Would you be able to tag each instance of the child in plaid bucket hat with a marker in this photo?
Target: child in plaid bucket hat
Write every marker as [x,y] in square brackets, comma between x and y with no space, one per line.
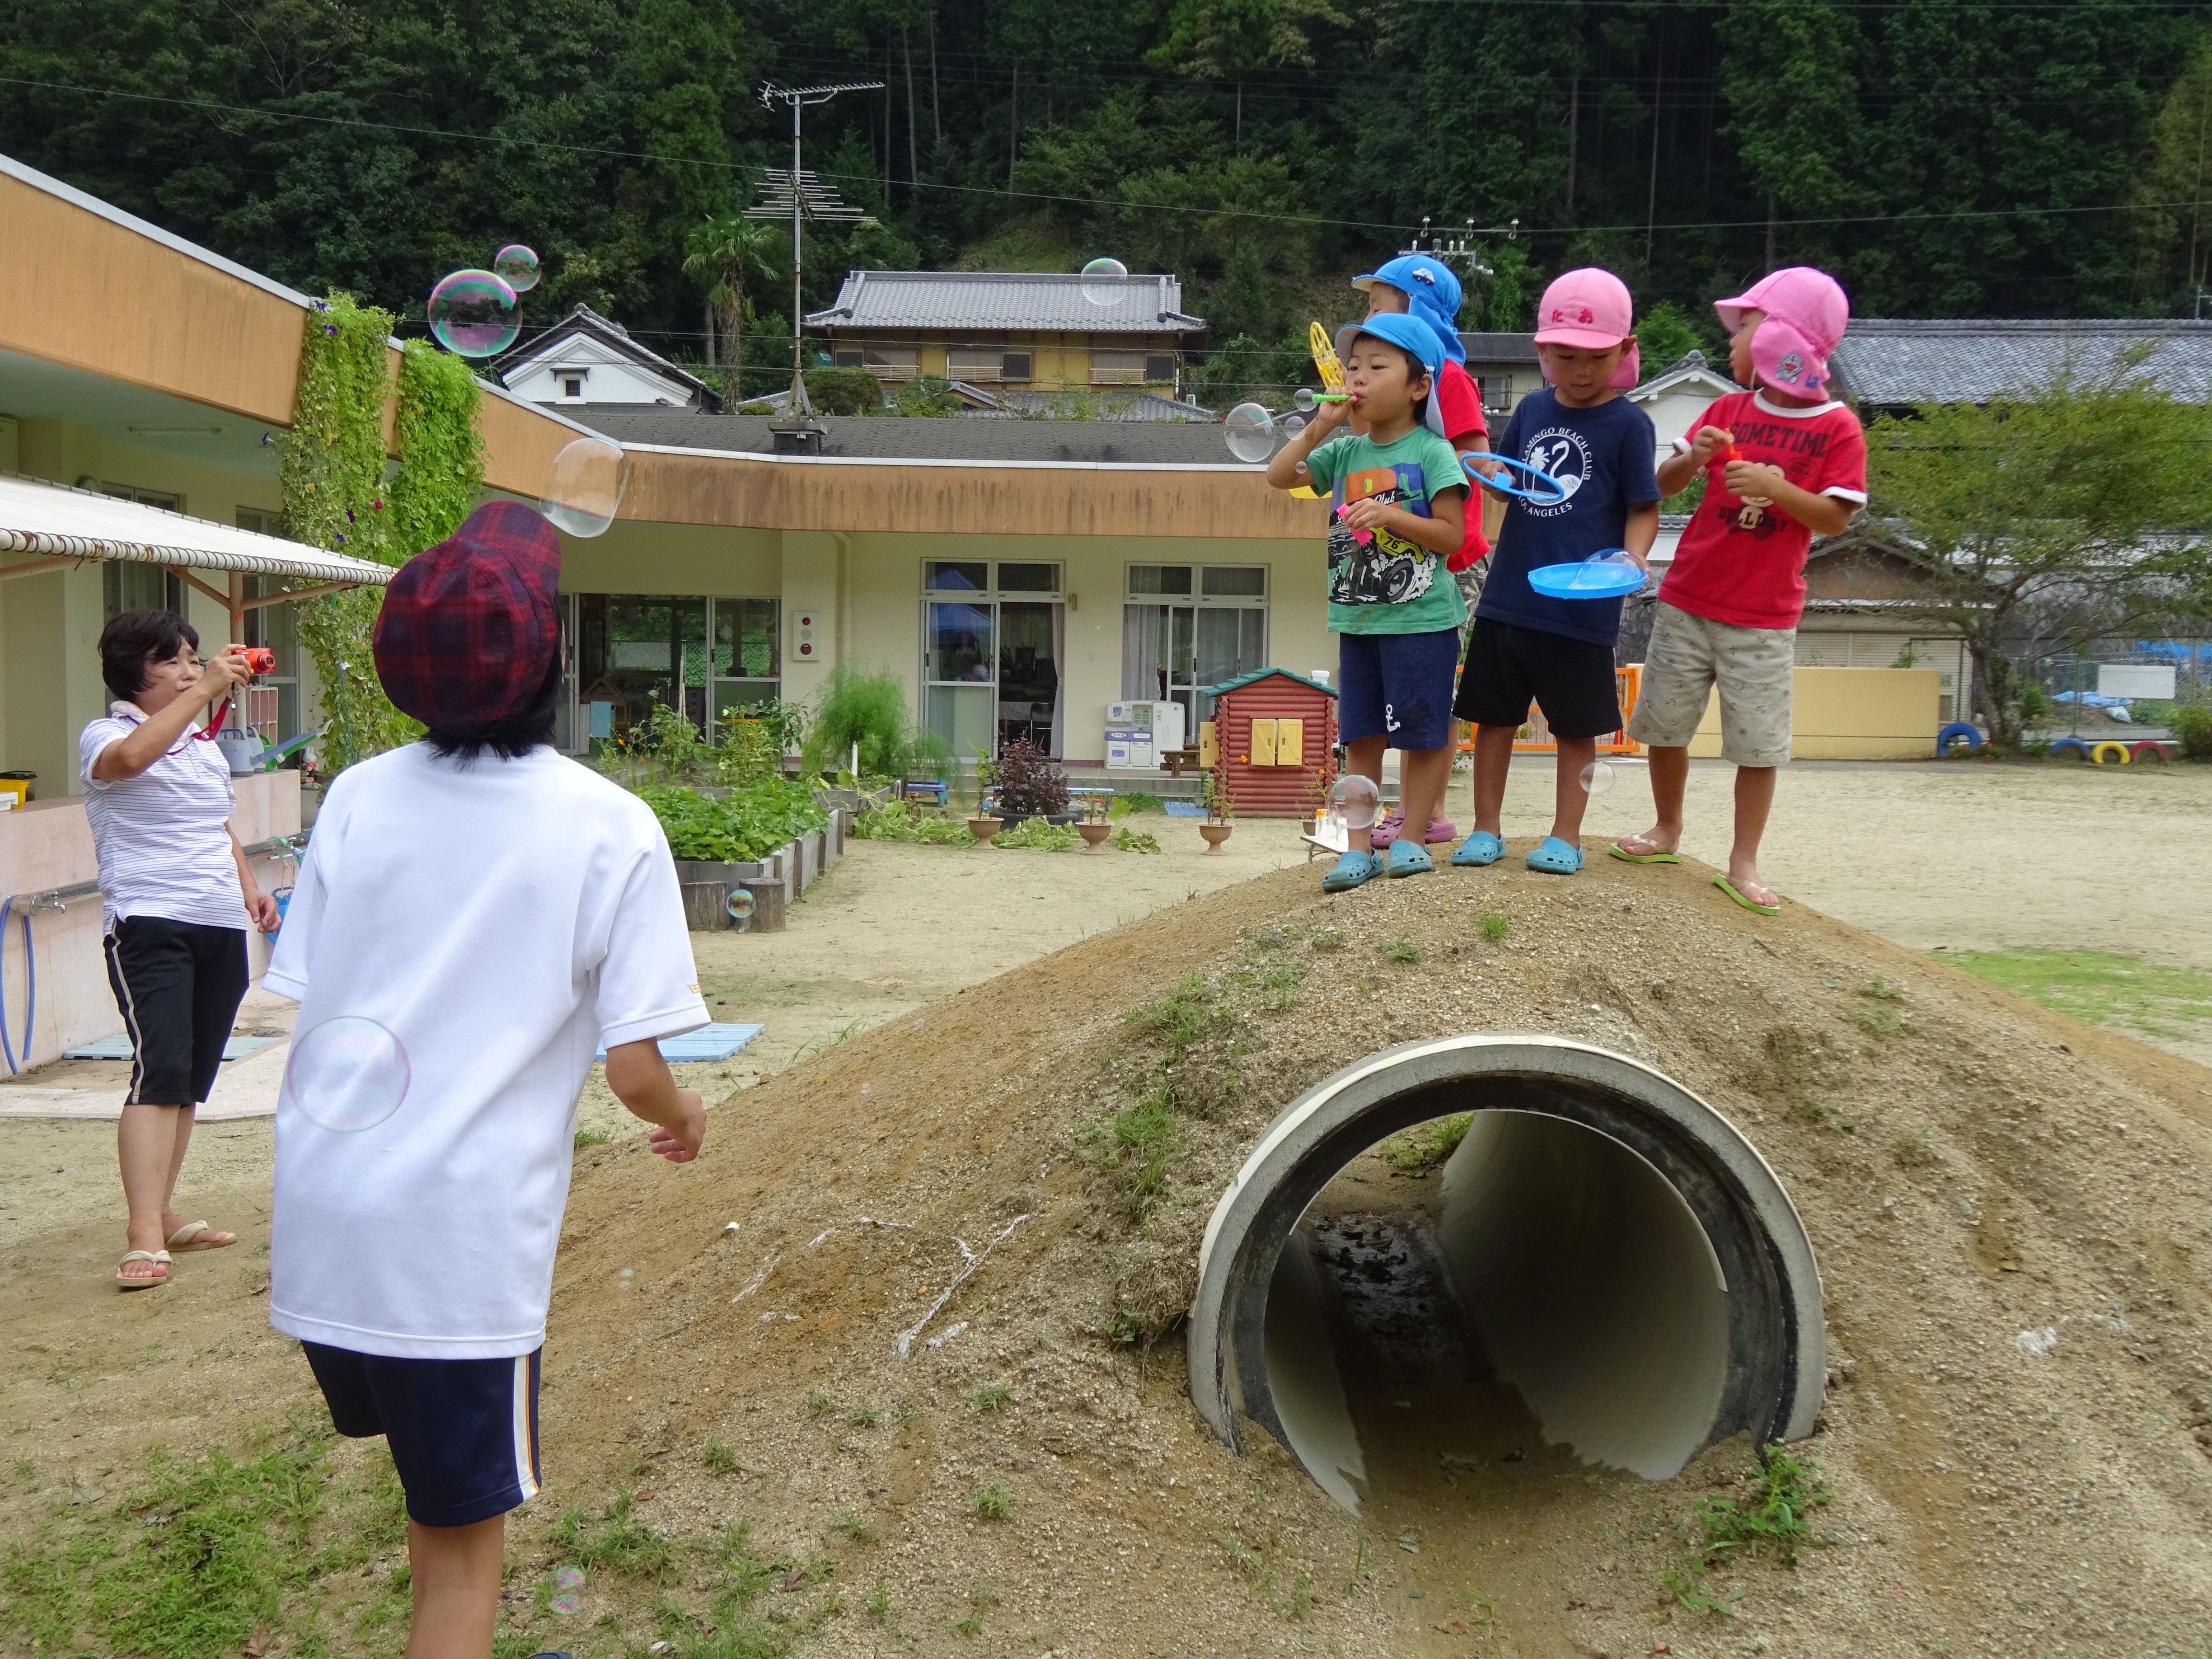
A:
[489,913]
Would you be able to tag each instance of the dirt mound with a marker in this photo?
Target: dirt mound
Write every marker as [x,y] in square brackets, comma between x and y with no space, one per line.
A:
[937,1353]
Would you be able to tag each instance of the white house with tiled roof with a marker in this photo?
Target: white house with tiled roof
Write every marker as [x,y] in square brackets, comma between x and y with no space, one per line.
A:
[1887,363]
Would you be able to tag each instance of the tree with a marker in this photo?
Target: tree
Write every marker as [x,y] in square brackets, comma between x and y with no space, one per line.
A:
[2080,509]
[2175,210]
[723,254]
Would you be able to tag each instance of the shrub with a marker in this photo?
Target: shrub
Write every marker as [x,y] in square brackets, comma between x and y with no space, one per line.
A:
[844,391]
[1031,782]
[897,821]
[870,710]
[2192,725]
[925,395]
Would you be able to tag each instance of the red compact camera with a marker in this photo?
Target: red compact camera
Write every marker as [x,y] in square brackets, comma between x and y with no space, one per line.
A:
[259,658]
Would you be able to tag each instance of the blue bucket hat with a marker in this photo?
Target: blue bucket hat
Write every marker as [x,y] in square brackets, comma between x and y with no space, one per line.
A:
[1401,329]
[1432,294]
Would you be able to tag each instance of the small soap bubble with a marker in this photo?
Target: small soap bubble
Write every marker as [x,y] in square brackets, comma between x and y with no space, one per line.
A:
[1355,798]
[1293,426]
[563,1601]
[347,1074]
[569,1579]
[1104,282]
[622,1280]
[1303,399]
[474,314]
[1251,431]
[740,904]
[585,487]
[1597,777]
[517,265]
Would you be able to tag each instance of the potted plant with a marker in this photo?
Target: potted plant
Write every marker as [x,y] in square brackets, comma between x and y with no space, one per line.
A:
[1094,828]
[1213,793]
[1028,783]
[985,822]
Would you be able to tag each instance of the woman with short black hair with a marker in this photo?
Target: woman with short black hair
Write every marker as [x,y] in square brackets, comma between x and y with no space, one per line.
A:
[178,895]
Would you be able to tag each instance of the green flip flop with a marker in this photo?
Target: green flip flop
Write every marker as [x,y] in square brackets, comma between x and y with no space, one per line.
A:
[1729,887]
[1627,857]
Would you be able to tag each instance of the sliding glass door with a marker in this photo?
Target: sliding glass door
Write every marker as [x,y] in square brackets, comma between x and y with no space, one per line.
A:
[994,640]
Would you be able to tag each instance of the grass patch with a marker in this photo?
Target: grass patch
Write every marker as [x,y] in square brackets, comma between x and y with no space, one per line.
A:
[718,1458]
[1876,1010]
[1329,938]
[878,1604]
[1784,1491]
[989,1402]
[819,1404]
[863,1417]
[615,1543]
[857,1529]
[992,1504]
[1135,800]
[844,1033]
[1178,1019]
[2104,987]
[1400,949]
[1143,1139]
[592,1138]
[1421,1148]
[1495,925]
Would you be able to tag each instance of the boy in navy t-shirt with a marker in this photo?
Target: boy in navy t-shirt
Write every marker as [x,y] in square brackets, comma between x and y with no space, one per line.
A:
[1527,646]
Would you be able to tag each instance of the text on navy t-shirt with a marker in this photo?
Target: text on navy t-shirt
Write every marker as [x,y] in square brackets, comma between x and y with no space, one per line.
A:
[1604,456]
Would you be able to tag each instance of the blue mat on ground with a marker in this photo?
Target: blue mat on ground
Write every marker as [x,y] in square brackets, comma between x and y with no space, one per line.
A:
[119,1047]
[1182,809]
[715,1042]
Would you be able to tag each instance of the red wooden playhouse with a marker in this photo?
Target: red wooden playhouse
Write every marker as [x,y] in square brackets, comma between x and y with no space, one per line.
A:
[1275,733]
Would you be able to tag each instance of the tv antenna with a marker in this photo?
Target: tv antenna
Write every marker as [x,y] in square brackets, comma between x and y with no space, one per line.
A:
[800,194]
[1464,246]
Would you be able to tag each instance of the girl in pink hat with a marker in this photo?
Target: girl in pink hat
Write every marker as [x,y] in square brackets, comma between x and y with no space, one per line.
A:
[1782,462]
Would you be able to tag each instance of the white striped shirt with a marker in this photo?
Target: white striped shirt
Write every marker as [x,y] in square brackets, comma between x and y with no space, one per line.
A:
[162,838]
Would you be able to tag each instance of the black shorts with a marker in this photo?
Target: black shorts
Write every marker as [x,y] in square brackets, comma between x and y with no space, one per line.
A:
[178,984]
[463,1432]
[1509,667]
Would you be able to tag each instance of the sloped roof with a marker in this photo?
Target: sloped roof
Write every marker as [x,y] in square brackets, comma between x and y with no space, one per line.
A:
[1499,348]
[59,523]
[1050,301]
[1112,406]
[953,438]
[1886,362]
[1261,674]
[585,321]
[1690,366]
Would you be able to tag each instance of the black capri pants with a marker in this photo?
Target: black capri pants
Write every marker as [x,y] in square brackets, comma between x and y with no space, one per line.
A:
[178,984]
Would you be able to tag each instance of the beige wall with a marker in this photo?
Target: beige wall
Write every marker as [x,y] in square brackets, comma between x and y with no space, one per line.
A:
[1849,713]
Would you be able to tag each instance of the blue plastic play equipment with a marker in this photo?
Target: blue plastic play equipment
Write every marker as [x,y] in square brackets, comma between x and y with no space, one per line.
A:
[1506,487]
[1606,575]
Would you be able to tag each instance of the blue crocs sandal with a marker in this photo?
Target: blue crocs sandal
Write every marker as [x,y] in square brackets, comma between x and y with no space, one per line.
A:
[1556,857]
[1408,860]
[1350,870]
[1478,849]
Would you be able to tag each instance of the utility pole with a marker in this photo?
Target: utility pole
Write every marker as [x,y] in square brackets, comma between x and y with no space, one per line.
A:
[805,199]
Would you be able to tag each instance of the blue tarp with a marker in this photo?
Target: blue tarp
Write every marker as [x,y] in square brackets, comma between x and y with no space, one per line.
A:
[715,1042]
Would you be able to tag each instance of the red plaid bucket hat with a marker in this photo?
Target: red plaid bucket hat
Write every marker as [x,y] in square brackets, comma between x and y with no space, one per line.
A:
[469,628]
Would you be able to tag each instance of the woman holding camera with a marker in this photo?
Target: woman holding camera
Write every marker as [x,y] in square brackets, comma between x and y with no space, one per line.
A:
[178,897]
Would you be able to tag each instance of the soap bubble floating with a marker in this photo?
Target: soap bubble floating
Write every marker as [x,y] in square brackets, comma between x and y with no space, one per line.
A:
[1293,426]
[622,1280]
[1303,398]
[1104,282]
[740,904]
[347,1074]
[1251,431]
[567,1581]
[585,486]
[517,265]
[474,314]
[1355,798]
[1598,777]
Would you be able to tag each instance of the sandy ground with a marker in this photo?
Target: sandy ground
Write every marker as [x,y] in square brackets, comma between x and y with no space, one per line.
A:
[1964,855]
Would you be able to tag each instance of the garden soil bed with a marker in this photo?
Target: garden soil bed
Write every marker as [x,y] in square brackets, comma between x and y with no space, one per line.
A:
[1969,1168]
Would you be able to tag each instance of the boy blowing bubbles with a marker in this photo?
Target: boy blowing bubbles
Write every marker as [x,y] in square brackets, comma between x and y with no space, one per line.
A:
[1782,463]
[1400,514]
[476,914]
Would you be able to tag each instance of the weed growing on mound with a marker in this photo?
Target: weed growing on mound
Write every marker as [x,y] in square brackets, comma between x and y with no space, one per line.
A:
[615,1543]
[855,1528]
[1874,1013]
[1400,949]
[989,1402]
[1178,1019]
[592,1138]
[1421,1148]
[1329,938]
[718,1458]
[1143,1139]
[1771,1521]
[1495,927]
[992,1504]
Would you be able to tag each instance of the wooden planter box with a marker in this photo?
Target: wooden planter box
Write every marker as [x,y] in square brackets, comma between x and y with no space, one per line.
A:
[775,882]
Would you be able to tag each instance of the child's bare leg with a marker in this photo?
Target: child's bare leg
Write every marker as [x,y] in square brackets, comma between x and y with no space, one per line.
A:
[1493,755]
[456,1572]
[1754,798]
[1670,777]
[1568,797]
[1363,757]
[1423,774]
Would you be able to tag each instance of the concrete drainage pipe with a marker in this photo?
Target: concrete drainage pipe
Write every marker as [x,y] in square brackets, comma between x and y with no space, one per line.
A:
[1617,1250]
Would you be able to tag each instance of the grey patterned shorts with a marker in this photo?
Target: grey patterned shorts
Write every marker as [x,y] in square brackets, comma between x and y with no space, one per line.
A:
[1688,656]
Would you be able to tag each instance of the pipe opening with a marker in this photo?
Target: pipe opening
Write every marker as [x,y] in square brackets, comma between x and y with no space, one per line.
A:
[1603,1271]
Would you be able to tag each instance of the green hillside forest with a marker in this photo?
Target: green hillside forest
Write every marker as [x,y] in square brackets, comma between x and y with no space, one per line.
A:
[1946,159]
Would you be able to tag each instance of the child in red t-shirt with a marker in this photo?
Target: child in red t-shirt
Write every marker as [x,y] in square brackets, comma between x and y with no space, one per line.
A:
[1782,462]
[1425,288]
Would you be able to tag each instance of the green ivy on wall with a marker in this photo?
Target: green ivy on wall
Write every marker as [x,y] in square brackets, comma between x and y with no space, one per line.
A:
[338,496]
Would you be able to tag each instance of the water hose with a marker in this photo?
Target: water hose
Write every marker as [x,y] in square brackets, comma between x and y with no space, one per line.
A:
[30,1003]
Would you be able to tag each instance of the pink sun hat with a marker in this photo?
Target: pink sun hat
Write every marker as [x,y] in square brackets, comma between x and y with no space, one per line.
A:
[1590,308]
[1807,314]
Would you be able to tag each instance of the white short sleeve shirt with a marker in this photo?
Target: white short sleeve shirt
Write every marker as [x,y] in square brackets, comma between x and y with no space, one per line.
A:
[501,920]
[163,837]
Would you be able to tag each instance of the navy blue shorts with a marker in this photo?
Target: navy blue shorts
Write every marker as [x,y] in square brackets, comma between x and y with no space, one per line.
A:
[463,1432]
[1397,686]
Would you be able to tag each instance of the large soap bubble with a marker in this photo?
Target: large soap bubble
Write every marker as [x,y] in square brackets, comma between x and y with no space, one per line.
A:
[474,314]
[1104,282]
[347,1074]
[1598,777]
[517,266]
[585,486]
[1251,431]
[1355,798]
